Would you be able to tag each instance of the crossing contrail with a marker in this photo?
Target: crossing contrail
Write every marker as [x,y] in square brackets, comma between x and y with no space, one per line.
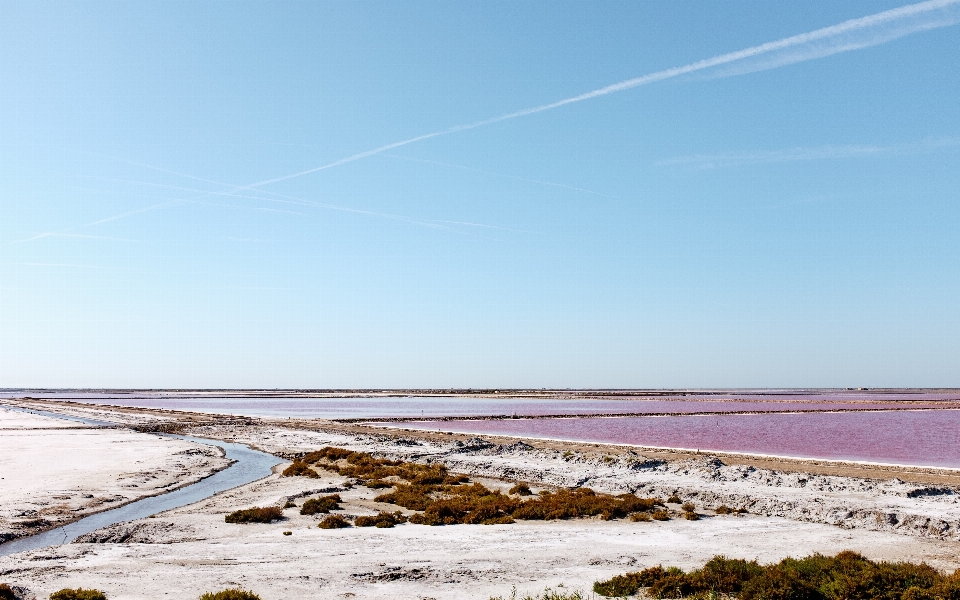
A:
[854,34]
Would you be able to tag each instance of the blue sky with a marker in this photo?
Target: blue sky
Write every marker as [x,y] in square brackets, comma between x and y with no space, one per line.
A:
[785,216]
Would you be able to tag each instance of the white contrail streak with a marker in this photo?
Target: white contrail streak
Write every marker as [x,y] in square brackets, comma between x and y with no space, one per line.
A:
[711,161]
[541,182]
[854,34]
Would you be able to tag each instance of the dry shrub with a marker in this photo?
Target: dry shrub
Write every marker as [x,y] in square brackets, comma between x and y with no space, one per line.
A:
[688,507]
[256,514]
[323,504]
[300,469]
[381,519]
[521,489]
[6,593]
[723,509]
[691,516]
[230,594]
[333,522]
[640,517]
[660,515]
[77,594]
[846,576]
[446,499]
[674,499]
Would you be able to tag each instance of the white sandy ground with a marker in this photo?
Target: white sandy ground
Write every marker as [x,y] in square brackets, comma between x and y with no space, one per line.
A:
[52,470]
[892,505]
[185,552]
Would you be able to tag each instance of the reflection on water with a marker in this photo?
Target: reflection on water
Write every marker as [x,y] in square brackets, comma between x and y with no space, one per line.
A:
[904,437]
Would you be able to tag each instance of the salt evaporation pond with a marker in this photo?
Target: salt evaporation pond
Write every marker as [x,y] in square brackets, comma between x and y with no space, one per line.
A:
[380,407]
[926,438]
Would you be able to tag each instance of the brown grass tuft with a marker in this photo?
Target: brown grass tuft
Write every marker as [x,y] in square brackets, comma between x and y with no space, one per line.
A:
[77,594]
[323,504]
[333,522]
[6,593]
[381,519]
[255,515]
[300,469]
[521,489]
[230,594]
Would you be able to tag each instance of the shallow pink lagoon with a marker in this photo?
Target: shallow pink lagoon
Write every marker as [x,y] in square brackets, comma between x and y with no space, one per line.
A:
[904,437]
[276,405]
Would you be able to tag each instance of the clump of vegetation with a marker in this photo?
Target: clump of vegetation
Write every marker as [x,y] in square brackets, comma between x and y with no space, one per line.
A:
[77,594]
[6,593]
[688,507]
[660,515]
[641,517]
[334,522]
[521,489]
[847,575]
[547,594]
[300,469]
[230,594]
[674,499]
[381,519]
[723,509]
[290,504]
[447,499]
[256,514]
[287,533]
[323,504]
[691,516]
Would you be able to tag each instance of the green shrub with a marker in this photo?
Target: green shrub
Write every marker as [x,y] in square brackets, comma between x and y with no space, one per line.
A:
[230,594]
[255,515]
[846,576]
[333,522]
[323,504]
[6,593]
[77,594]
[381,519]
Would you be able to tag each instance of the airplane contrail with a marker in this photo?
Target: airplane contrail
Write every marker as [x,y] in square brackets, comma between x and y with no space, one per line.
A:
[854,34]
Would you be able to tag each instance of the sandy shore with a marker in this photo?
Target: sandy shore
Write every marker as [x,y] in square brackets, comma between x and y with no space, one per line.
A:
[53,471]
[191,550]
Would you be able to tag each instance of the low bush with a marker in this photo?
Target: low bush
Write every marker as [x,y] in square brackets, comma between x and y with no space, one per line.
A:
[446,499]
[640,517]
[323,504]
[674,499]
[723,509]
[6,593]
[660,515]
[846,576]
[77,594]
[290,504]
[521,489]
[381,519]
[688,507]
[230,594]
[333,522]
[300,469]
[256,514]
[547,594]
[691,516]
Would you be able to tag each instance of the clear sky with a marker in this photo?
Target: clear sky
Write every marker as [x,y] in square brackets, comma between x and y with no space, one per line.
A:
[754,207]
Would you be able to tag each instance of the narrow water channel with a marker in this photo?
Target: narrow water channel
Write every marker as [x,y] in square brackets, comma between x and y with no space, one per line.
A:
[249,465]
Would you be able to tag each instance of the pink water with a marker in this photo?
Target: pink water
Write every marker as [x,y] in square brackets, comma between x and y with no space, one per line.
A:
[904,437]
[267,404]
